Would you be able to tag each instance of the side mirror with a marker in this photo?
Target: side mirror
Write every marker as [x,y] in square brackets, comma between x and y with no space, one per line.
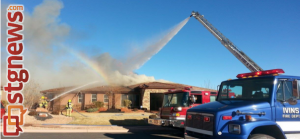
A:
[193,99]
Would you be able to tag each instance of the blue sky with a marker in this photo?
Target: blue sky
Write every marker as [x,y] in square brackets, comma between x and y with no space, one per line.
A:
[267,31]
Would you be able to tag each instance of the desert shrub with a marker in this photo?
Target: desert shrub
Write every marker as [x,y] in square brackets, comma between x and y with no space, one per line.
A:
[126,103]
[98,104]
[92,109]
[90,106]
[4,102]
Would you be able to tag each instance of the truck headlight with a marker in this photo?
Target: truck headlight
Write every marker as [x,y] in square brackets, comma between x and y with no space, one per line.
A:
[178,109]
[234,128]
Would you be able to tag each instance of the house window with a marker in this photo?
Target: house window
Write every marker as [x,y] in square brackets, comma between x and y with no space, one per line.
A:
[105,98]
[94,97]
[79,98]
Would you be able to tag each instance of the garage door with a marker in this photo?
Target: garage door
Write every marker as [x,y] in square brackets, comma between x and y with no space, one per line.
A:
[156,100]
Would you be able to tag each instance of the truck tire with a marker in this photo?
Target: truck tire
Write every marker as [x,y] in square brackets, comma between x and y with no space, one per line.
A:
[260,136]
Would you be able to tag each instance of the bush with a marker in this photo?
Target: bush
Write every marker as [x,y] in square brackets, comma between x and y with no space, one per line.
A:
[4,102]
[126,103]
[98,104]
[92,109]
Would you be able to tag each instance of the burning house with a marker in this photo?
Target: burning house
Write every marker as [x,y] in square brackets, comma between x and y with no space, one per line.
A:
[148,95]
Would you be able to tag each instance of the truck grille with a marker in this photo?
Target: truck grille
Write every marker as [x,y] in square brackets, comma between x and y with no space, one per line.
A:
[166,113]
[197,121]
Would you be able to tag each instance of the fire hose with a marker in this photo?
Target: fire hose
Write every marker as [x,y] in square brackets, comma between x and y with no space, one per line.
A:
[74,110]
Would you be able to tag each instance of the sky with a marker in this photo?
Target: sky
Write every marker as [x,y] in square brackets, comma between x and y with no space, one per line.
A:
[267,31]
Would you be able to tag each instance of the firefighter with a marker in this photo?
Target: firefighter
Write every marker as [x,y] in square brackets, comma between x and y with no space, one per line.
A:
[69,108]
[43,102]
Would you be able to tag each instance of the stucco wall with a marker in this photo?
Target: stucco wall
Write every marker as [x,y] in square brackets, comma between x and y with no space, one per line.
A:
[146,96]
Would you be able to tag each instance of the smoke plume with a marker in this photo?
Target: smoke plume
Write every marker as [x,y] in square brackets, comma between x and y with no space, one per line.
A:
[52,63]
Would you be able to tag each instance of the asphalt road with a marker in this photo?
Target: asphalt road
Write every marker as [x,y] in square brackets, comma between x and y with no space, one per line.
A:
[135,135]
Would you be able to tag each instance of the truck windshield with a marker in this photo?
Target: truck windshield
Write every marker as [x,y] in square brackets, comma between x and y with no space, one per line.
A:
[176,100]
[246,89]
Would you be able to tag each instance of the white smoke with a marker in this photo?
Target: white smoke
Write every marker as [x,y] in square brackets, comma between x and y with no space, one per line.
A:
[50,64]
[139,58]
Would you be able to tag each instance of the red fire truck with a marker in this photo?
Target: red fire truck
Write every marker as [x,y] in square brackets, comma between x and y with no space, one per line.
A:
[177,102]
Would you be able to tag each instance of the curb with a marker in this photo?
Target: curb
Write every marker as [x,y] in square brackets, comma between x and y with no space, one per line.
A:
[74,131]
[57,128]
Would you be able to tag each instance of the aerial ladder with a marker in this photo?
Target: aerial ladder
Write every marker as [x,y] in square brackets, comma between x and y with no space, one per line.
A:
[240,55]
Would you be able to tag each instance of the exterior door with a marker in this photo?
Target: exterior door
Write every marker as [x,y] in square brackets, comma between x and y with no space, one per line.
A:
[287,112]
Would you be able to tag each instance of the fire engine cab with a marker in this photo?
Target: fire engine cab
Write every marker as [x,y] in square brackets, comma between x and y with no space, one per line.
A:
[177,102]
[265,105]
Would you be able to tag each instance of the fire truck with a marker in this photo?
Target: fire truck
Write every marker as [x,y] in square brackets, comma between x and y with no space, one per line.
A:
[265,105]
[177,102]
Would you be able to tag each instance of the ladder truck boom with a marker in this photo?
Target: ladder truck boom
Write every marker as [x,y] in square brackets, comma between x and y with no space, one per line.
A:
[240,55]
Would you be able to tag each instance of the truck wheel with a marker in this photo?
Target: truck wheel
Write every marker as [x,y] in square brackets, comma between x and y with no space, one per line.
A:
[260,136]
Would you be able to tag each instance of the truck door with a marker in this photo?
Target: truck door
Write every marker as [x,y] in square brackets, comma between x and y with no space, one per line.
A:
[287,105]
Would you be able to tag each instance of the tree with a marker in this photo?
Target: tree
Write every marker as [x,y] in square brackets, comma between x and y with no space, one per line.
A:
[31,93]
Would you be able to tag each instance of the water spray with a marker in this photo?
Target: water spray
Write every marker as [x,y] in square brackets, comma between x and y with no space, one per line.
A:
[73,90]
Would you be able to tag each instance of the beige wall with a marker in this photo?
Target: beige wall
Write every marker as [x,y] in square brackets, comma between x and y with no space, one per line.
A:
[146,96]
[100,97]
[88,100]
[118,101]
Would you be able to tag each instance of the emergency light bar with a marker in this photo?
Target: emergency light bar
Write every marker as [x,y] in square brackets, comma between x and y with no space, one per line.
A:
[260,73]
[188,88]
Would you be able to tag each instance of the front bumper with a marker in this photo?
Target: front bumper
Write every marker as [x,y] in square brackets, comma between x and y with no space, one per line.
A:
[166,122]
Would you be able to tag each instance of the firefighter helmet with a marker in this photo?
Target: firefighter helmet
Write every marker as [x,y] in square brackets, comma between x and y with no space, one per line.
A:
[43,97]
[69,100]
